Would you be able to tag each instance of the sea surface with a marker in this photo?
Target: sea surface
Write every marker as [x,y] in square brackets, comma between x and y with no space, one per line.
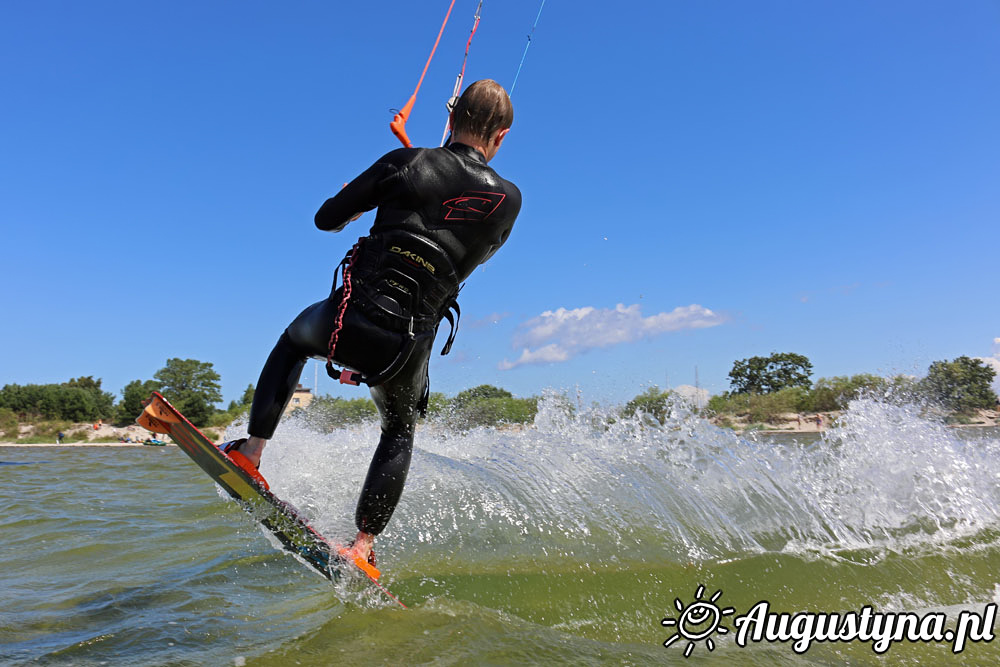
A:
[569,542]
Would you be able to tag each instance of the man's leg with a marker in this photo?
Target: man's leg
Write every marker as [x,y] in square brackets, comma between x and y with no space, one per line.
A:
[397,401]
[307,335]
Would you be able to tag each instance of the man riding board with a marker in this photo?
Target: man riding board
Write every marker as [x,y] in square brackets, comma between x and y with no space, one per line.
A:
[441,213]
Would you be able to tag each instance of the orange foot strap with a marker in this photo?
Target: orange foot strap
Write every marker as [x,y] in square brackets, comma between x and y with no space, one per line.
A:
[366,567]
[248,467]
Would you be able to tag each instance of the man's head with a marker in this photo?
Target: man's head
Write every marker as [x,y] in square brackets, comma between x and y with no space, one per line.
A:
[482,116]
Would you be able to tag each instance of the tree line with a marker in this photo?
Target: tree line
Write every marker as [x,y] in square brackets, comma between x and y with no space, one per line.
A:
[191,386]
[194,388]
[761,389]
[484,405]
[764,388]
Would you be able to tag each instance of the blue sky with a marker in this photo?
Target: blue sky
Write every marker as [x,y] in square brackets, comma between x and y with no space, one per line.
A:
[702,182]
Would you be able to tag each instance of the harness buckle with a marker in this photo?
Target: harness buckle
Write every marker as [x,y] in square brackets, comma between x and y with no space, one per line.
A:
[350,377]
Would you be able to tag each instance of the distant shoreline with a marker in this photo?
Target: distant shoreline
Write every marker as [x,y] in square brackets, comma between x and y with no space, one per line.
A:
[789,423]
[83,444]
[105,434]
[792,422]
[738,428]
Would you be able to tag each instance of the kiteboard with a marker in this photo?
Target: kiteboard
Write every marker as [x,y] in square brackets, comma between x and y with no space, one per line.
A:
[250,489]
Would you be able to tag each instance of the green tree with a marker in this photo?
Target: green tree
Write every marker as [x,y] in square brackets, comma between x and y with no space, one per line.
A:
[247,398]
[327,413]
[103,401]
[192,387]
[76,400]
[134,393]
[903,385]
[242,405]
[763,375]
[15,398]
[73,403]
[724,403]
[493,411]
[652,402]
[9,426]
[25,400]
[961,385]
[484,405]
[467,396]
[772,407]
[437,403]
[836,392]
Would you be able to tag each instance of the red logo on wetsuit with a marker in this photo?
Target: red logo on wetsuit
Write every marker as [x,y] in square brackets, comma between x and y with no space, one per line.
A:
[473,205]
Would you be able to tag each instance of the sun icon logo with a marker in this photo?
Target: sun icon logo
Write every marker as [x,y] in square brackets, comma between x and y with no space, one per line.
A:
[698,620]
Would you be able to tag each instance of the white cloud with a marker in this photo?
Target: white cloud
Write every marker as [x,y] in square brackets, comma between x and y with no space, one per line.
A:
[559,335]
[994,363]
[991,361]
[693,395]
[542,355]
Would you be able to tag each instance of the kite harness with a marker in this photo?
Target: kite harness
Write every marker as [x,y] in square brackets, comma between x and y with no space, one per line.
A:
[406,284]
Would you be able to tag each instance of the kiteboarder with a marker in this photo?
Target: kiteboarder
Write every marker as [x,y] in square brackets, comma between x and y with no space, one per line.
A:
[441,213]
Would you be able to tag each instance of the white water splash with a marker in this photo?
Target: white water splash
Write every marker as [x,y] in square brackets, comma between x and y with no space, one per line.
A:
[887,476]
[589,484]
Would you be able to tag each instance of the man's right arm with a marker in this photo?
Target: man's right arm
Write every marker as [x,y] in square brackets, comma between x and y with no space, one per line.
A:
[513,203]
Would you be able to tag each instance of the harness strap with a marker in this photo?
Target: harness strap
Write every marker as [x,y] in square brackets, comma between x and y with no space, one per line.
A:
[453,321]
[347,264]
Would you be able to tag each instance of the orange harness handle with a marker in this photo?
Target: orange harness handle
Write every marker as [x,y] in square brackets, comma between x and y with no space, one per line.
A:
[398,124]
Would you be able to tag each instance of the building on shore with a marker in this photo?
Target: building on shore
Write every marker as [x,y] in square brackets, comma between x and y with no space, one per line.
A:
[301,398]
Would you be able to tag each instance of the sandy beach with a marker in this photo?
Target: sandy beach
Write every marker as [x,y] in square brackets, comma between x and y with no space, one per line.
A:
[819,422]
[84,434]
[82,444]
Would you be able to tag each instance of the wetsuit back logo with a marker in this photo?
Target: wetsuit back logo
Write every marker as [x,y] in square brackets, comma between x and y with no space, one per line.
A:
[473,205]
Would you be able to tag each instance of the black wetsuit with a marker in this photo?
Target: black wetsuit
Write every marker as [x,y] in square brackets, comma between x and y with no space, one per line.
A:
[441,213]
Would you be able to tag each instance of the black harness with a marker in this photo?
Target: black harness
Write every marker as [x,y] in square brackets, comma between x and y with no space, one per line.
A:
[404,283]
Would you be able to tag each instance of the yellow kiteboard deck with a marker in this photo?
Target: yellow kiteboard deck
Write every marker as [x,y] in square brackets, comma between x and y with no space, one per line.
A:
[244,484]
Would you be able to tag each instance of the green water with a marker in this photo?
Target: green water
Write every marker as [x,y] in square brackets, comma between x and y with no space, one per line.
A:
[565,544]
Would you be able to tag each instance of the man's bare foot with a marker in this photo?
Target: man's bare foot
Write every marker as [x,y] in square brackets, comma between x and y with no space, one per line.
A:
[362,547]
[253,449]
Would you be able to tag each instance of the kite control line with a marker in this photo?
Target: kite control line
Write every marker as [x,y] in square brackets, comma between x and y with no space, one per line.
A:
[525,54]
[461,75]
[398,124]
